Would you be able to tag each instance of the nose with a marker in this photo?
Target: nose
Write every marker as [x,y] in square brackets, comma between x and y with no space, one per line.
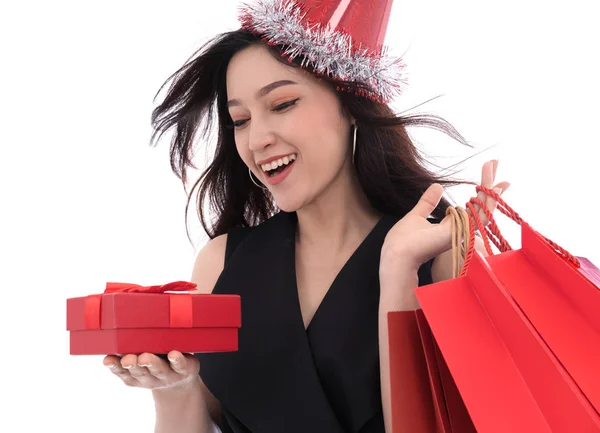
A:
[260,136]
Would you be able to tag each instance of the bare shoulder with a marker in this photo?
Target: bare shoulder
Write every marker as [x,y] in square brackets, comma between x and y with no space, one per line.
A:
[209,264]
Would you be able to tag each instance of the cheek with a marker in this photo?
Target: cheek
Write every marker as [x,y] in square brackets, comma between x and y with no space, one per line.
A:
[244,152]
[324,155]
[328,145]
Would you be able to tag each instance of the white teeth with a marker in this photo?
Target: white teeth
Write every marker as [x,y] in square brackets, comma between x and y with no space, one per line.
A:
[279,162]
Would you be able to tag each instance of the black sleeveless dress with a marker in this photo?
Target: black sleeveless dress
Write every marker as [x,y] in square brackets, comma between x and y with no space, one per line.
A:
[283,378]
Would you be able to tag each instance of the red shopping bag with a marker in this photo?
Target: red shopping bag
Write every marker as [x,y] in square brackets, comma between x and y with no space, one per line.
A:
[424,397]
[561,303]
[508,375]
[559,294]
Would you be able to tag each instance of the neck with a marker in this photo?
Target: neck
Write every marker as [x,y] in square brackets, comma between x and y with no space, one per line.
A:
[339,217]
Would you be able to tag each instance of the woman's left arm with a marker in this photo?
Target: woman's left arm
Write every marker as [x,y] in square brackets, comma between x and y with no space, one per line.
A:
[397,296]
[416,414]
[411,242]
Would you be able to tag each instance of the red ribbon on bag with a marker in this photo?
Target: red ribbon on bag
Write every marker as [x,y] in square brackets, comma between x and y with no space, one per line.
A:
[180,306]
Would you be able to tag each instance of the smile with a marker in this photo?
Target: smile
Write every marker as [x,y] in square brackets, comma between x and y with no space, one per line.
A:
[277,170]
[273,168]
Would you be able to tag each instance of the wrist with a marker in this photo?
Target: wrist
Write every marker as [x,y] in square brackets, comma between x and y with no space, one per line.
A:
[397,290]
[396,262]
[183,390]
[398,268]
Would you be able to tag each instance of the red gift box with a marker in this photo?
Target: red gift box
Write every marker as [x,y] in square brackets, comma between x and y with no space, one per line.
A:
[128,318]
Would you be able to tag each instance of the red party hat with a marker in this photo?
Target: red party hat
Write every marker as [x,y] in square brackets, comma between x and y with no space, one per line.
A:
[342,39]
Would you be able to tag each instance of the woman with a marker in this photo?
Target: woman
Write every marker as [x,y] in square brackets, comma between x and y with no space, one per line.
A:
[321,207]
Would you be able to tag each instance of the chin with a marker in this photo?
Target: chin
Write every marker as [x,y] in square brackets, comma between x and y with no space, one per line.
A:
[289,204]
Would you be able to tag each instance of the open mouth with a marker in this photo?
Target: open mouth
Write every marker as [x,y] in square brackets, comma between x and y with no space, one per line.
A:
[275,167]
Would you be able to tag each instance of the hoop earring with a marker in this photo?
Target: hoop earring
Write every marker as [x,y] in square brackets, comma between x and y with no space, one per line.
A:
[253,181]
[354,142]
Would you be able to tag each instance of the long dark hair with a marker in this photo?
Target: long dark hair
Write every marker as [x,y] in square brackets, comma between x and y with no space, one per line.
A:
[390,168]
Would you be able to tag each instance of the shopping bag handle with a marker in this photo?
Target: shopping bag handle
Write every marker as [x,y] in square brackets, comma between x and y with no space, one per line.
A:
[492,231]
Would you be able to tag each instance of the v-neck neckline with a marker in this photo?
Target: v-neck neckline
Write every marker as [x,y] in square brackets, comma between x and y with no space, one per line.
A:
[292,372]
[344,269]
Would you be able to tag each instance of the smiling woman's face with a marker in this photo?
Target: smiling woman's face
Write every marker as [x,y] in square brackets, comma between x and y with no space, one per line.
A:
[289,127]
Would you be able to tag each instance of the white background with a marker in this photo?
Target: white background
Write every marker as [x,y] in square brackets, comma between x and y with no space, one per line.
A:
[85,200]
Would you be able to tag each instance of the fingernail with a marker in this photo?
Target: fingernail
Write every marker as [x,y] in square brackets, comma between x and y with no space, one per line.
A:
[173,361]
[111,366]
[144,365]
[128,367]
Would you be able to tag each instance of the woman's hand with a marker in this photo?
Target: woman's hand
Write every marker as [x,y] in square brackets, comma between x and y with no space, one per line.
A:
[488,176]
[413,240]
[151,372]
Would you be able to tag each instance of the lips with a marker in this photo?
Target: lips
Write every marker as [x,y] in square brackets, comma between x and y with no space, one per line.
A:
[278,175]
[277,162]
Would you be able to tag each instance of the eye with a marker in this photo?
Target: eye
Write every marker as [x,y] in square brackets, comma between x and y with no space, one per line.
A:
[285,105]
[235,125]
[239,123]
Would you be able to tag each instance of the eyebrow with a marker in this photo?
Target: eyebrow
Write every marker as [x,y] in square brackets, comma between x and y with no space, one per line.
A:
[264,91]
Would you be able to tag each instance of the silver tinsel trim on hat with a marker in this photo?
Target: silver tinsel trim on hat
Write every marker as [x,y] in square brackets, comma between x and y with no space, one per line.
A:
[327,52]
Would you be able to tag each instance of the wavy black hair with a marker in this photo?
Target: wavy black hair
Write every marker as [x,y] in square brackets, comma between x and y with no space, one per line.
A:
[391,170]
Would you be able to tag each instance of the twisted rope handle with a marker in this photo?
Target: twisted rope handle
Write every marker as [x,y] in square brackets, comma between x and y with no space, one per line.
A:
[509,212]
[463,240]
[463,224]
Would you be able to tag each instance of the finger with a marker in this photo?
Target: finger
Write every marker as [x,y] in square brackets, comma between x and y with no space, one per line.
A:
[128,361]
[491,204]
[499,189]
[179,363]
[111,360]
[113,363]
[481,195]
[156,365]
[142,374]
[504,185]
[487,180]
[138,372]
[122,373]
[438,240]
[428,201]
[489,201]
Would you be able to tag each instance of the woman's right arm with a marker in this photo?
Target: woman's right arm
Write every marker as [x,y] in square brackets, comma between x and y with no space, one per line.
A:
[182,401]
[194,407]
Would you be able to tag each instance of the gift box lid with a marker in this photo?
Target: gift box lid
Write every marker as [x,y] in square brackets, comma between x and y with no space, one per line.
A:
[115,309]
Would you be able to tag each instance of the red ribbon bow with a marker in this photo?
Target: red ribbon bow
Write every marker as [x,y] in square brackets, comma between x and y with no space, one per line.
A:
[180,306]
[176,286]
